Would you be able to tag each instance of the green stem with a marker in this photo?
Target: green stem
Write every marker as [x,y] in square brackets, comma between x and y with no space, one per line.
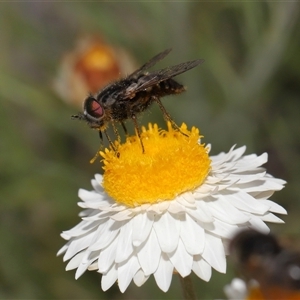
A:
[187,288]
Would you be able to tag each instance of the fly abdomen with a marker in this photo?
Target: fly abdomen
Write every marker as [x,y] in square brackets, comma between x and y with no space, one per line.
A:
[167,87]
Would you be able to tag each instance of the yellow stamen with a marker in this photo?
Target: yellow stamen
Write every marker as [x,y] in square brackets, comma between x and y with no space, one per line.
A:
[173,163]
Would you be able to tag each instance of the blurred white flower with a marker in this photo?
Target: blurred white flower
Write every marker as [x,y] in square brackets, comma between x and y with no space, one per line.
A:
[238,290]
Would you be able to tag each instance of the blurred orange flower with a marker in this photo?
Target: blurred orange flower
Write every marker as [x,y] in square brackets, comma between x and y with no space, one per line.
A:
[89,67]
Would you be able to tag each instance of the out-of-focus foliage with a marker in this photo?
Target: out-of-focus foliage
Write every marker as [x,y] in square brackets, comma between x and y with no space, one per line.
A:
[246,93]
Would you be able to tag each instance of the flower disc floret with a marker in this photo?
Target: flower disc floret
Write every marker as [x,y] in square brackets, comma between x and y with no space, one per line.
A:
[173,162]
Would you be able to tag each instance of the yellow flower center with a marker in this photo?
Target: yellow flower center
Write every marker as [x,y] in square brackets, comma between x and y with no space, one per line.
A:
[173,163]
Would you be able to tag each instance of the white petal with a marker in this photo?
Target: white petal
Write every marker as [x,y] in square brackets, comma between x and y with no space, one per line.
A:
[188,196]
[93,266]
[99,178]
[126,272]
[89,195]
[251,162]
[82,228]
[96,216]
[163,206]
[103,229]
[238,152]
[88,259]
[220,228]
[224,211]
[122,215]
[201,268]
[258,224]
[269,217]
[245,202]
[185,200]
[93,200]
[274,207]
[142,225]
[77,245]
[164,272]
[109,278]
[214,253]
[192,235]
[212,180]
[160,207]
[114,207]
[63,249]
[224,157]
[249,177]
[258,186]
[75,261]
[149,254]
[167,232]
[176,208]
[108,233]
[97,187]
[125,247]
[202,213]
[107,257]
[262,195]
[140,278]
[181,260]
[206,189]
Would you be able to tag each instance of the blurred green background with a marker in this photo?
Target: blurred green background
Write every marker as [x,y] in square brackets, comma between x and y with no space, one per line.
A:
[246,93]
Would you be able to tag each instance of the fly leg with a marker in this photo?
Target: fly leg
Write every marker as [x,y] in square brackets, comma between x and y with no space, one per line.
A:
[167,116]
[110,141]
[97,153]
[116,132]
[138,131]
[124,128]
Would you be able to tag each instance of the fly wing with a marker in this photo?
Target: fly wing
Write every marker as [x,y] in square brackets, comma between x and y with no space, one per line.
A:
[150,63]
[156,77]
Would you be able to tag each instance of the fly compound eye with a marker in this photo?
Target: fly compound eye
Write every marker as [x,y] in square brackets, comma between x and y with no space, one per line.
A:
[93,109]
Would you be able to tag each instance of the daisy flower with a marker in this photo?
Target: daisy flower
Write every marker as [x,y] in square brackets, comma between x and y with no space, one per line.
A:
[172,208]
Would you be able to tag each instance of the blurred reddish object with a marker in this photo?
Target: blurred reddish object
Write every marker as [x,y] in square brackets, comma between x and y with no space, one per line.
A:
[89,67]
